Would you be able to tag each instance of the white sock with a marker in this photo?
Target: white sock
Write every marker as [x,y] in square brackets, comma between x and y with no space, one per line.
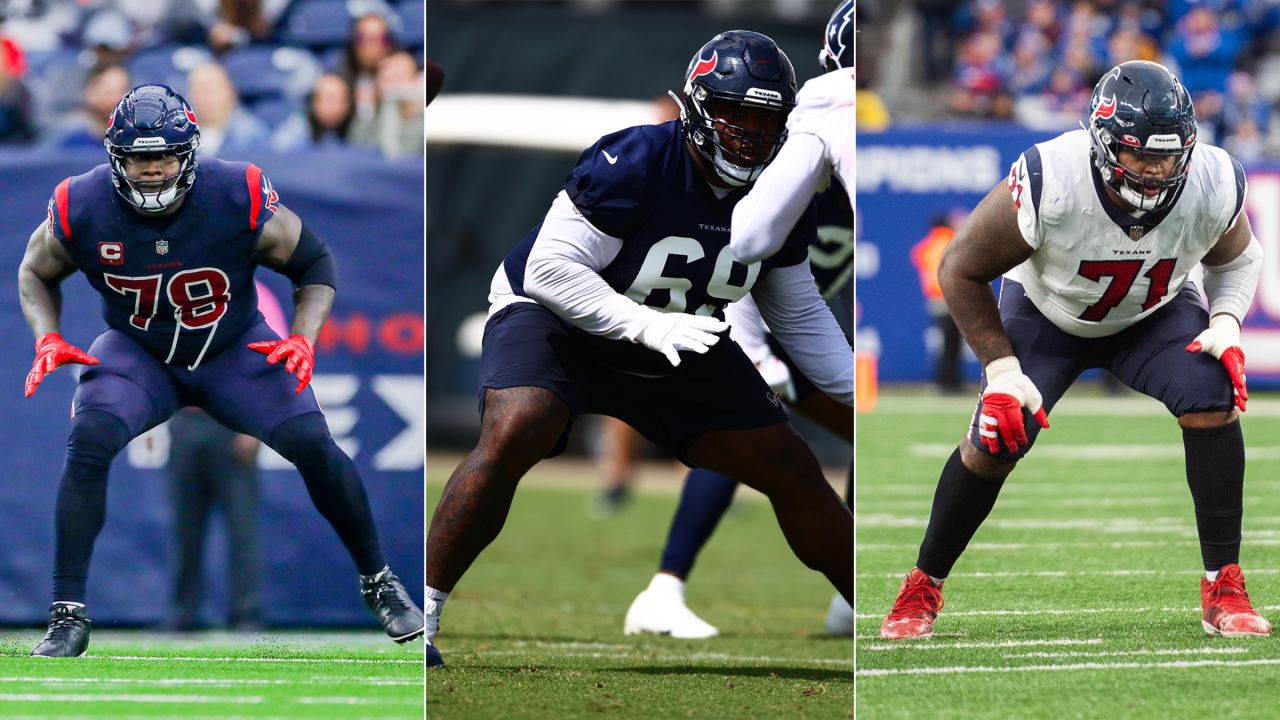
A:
[937,581]
[431,607]
[68,602]
[667,584]
[1211,575]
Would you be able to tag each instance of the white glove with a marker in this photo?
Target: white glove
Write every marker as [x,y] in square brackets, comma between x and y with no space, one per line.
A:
[669,333]
[1223,332]
[776,373]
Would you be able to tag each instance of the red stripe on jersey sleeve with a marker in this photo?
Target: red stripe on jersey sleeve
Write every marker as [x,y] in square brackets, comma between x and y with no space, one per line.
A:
[60,199]
[253,175]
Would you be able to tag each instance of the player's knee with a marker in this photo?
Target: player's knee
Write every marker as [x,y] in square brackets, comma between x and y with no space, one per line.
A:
[983,464]
[303,439]
[520,423]
[96,438]
[1208,419]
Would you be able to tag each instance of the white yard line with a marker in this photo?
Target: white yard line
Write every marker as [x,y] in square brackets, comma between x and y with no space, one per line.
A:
[133,698]
[1061,611]
[357,661]
[363,680]
[964,669]
[963,644]
[1249,539]
[1068,573]
[1232,650]
[1072,404]
[1163,451]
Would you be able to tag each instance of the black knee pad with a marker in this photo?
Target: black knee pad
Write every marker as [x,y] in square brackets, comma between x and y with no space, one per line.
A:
[304,439]
[96,438]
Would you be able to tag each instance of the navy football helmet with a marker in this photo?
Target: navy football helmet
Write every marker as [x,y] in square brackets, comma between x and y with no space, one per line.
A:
[153,119]
[1141,107]
[837,43]
[738,91]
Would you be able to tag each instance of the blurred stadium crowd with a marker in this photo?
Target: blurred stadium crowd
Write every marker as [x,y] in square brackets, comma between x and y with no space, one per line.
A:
[1036,61]
[262,75]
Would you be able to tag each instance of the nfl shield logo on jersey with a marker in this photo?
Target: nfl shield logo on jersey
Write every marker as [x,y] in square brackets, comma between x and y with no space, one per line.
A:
[1136,232]
[162,247]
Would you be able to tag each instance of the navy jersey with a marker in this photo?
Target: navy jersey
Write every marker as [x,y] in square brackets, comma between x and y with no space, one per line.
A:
[641,186]
[181,285]
[831,255]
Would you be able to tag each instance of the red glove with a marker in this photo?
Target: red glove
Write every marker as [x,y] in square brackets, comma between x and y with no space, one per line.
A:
[1222,340]
[300,354]
[52,352]
[1000,417]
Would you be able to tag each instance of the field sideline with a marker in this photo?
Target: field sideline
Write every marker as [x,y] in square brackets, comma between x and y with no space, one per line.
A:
[130,674]
[1079,597]
[535,628]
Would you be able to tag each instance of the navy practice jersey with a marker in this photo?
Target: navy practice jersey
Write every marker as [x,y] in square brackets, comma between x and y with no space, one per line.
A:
[831,255]
[181,285]
[641,186]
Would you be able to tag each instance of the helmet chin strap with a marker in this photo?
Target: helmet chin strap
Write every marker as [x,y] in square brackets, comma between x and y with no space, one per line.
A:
[156,202]
[1140,200]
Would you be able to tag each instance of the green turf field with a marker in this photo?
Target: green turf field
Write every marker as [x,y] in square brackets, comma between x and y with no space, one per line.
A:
[1079,596]
[535,629]
[214,675]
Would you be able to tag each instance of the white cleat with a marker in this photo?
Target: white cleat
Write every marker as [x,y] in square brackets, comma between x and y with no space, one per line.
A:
[840,616]
[660,609]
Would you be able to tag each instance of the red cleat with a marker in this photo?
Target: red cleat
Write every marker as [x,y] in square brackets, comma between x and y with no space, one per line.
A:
[1226,606]
[916,606]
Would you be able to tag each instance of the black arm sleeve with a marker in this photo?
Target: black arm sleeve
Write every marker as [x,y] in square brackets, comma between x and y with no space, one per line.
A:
[311,263]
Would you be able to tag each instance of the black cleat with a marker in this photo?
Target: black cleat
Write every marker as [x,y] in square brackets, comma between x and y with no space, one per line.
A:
[434,658]
[390,603]
[68,634]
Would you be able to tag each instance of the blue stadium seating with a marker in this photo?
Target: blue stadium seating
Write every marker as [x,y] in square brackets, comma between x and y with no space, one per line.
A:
[274,111]
[261,71]
[168,64]
[317,24]
[412,23]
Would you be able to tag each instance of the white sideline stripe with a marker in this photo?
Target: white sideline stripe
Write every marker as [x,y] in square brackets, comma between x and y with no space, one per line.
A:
[208,681]
[1165,451]
[898,547]
[1057,611]
[1233,650]
[880,647]
[105,698]
[837,662]
[1135,406]
[1172,664]
[1066,573]
[357,661]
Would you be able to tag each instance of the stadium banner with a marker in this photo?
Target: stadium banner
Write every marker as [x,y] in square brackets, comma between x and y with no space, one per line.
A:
[369,380]
[911,175]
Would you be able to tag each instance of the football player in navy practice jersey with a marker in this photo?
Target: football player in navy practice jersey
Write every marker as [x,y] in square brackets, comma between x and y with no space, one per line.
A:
[613,304]
[820,131]
[171,245]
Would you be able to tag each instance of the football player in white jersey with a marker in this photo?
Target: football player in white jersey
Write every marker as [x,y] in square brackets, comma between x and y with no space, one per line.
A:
[820,141]
[1095,257]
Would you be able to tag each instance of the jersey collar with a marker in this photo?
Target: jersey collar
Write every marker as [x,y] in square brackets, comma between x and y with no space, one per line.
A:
[1124,220]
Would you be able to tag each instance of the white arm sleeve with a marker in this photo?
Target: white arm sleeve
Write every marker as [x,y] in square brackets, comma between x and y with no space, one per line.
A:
[748,329]
[764,218]
[1230,287]
[563,274]
[789,302]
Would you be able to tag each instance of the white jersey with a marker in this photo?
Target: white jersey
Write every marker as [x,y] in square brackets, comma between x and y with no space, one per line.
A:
[1097,269]
[825,108]
[820,141]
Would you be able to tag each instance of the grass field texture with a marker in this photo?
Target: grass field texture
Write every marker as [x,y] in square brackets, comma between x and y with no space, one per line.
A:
[535,628]
[214,675]
[1079,596]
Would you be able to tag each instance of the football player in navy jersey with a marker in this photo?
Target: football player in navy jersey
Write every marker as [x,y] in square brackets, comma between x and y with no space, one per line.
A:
[171,245]
[613,305]
[819,144]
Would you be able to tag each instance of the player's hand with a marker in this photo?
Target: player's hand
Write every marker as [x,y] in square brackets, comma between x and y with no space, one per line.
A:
[52,352]
[1007,392]
[778,375]
[669,333]
[1222,340]
[297,352]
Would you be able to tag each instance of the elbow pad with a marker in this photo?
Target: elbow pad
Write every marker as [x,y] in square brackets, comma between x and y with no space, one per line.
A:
[311,263]
[1230,287]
